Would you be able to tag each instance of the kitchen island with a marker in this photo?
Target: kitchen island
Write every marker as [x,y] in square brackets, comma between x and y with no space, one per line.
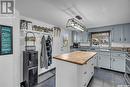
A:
[74,69]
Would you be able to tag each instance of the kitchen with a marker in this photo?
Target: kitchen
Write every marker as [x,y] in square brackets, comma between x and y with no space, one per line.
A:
[64,43]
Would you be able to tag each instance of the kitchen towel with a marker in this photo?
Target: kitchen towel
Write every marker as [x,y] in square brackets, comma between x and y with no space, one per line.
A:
[43,55]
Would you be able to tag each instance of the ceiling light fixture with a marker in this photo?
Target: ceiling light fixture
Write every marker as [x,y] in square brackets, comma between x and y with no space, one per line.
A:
[73,23]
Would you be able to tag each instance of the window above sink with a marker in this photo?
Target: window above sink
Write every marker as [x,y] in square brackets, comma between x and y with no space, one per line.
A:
[100,39]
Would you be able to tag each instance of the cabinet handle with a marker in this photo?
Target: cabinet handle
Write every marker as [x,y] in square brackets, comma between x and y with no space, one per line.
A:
[119,54]
[113,59]
[85,84]
[125,39]
[120,39]
[85,72]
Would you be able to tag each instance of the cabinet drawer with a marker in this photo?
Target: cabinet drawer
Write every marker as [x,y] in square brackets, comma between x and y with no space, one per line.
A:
[104,53]
[118,55]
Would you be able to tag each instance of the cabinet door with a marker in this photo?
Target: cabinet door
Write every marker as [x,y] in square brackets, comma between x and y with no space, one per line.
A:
[95,61]
[84,37]
[126,33]
[117,35]
[104,61]
[78,36]
[118,64]
[75,36]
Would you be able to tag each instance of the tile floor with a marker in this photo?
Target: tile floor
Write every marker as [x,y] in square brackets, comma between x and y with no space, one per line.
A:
[107,78]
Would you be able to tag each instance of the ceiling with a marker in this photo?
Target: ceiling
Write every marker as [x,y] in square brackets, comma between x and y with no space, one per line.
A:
[95,13]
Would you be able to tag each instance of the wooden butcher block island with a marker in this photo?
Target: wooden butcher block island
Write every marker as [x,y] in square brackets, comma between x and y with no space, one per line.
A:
[77,57]
[74,69]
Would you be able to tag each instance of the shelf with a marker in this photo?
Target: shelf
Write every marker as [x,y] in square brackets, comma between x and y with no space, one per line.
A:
[30,68]
[38,32]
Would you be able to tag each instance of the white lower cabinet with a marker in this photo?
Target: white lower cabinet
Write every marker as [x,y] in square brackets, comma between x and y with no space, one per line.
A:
[104,60]
[118,62]
[114,61]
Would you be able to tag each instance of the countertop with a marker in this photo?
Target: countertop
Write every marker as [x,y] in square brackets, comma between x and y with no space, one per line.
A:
[77,57]
[112,49]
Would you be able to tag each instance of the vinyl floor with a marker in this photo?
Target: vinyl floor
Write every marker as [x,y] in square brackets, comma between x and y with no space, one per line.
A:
[107,78]
[101,78]
[48,83]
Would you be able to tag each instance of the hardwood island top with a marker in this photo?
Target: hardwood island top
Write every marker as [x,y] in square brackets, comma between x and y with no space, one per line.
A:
[77,57]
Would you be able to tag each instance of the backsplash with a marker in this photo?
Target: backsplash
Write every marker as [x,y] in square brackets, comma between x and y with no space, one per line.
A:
[120,45]
[84,44]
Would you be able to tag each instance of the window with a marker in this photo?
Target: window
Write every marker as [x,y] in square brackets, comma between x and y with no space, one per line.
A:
[101,39]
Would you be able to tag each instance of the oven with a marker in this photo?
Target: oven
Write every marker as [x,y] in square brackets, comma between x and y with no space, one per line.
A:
[127,70]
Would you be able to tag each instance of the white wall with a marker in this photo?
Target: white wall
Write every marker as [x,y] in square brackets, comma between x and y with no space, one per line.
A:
[9,64]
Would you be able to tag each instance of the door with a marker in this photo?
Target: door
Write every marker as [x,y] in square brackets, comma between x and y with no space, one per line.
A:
[118,64]
[104,61]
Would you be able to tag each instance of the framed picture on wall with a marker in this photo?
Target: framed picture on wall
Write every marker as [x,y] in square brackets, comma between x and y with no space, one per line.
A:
[6,40]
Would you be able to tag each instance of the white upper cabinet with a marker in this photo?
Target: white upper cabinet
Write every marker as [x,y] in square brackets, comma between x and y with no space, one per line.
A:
[84,37]
[126,32]
[78,36]
[117,34]
[121,33]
